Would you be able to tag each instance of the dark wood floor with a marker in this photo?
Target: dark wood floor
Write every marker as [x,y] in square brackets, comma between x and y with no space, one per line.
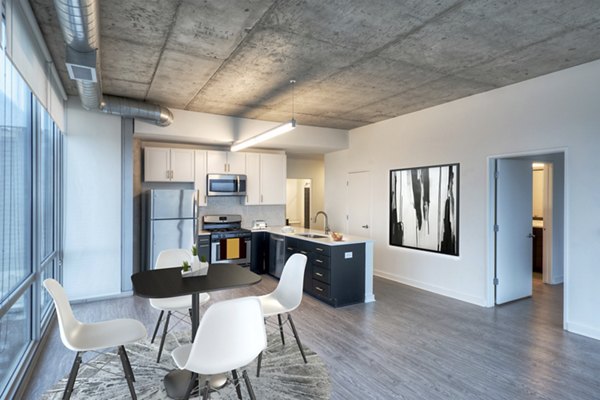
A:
[411,344]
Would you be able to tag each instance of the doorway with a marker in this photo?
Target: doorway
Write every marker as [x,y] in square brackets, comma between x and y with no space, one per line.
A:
[298,202]
[517,212]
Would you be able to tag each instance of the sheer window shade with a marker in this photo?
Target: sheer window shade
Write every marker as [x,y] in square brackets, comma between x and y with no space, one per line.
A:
[31,58]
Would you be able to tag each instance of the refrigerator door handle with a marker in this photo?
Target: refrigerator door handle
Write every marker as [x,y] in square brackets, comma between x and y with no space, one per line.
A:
[195,214]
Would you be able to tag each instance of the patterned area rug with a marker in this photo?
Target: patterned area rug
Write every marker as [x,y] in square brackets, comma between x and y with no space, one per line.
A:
[283,374]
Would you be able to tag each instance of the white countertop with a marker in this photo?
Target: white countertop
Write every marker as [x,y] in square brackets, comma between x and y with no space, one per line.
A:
[348,239]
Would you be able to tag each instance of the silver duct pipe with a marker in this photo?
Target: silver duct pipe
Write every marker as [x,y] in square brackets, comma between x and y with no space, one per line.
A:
[160,115]
[80,25]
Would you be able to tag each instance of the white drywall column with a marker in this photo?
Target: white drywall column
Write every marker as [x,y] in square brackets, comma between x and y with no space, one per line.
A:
[92,226]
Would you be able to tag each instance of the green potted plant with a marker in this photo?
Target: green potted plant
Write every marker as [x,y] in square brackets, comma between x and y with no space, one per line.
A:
[185,266]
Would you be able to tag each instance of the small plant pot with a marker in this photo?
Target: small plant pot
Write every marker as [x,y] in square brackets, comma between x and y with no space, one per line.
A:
[189,273]
[203,270]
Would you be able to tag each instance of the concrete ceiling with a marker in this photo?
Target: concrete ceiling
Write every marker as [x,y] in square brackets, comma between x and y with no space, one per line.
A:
[356,62]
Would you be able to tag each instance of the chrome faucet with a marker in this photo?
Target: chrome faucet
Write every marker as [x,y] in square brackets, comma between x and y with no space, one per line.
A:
[327,230]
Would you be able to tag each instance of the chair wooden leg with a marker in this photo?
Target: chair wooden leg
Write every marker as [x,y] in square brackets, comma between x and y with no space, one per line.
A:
[258,365]
[191,385]
[206,390]
[128,372]
[72,376]
[297,338]
[236,382]
[280,328]
[164,336]
[248,385]
[157,325]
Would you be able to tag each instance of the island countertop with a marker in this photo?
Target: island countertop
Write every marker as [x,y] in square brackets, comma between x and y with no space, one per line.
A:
[298,231]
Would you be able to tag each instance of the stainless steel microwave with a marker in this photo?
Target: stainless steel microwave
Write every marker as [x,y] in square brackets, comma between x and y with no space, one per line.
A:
[226,185]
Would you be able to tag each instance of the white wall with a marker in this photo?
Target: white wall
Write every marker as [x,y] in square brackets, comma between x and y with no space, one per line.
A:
[538,193]
[92,230]
[553,112]
[220,130]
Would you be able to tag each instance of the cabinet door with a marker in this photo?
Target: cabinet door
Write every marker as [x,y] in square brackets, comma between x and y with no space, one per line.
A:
[182,165]
[200,176]
[216,162]
[236,163]
[157,164]
[273,172]
[252,178]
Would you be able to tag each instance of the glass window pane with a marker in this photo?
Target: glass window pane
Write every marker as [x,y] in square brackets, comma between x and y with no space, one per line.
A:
[46,300]
[15,334]
[15,178]
[46,176]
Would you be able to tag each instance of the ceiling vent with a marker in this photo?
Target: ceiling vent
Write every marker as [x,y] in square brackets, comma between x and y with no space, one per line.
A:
[81,66]
[81,73]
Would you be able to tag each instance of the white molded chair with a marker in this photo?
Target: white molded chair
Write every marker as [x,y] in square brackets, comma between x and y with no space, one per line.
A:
[231,334]
[81,337]
[286,298]
[181,304]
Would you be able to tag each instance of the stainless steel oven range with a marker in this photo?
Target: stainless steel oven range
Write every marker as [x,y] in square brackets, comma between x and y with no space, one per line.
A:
[229,242]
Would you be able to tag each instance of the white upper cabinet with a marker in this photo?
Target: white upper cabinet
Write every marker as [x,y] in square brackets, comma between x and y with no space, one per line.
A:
[157,164]
[237,162]
[273,174]
[252,178]
[266,178]
[168,165]
[182,165]
[266,172]
[225,162]
[200,176]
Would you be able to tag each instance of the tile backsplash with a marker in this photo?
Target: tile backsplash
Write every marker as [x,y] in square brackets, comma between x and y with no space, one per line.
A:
[273,214]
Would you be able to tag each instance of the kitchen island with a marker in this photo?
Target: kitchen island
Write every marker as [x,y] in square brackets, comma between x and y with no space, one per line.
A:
[338,272]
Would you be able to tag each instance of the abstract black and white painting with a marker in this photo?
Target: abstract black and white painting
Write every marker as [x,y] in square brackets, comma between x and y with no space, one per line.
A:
[424,208]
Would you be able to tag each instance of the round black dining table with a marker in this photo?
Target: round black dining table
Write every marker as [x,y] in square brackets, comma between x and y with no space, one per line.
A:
[168,282]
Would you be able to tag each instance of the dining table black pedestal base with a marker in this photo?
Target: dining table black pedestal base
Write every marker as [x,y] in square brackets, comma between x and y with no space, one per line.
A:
[177,381]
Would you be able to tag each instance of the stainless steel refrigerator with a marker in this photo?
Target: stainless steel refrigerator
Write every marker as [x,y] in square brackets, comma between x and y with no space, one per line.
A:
[171,221]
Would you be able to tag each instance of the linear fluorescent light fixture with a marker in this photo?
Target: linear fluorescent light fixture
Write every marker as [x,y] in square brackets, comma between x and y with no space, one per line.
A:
[270,134]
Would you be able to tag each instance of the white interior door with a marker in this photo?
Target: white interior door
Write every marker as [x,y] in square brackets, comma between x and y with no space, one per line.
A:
[359,204]
[514,230]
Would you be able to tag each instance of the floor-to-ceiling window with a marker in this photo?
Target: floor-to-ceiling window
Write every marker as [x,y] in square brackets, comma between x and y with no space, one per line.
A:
[29,218]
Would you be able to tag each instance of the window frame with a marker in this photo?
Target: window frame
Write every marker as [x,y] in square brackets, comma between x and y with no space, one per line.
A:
[30,288]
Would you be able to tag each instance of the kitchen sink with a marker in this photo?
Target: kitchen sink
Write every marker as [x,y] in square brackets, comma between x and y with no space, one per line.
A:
[312,235]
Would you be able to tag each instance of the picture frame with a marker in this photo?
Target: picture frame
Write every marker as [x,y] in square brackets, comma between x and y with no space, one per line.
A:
[424,208]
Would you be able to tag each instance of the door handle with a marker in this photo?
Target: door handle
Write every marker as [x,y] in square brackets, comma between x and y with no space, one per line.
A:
[365,226]
[531,236]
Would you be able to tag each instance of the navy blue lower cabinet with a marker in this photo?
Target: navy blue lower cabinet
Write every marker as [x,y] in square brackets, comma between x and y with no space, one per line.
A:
[259,255]
[334,274]
[203,246]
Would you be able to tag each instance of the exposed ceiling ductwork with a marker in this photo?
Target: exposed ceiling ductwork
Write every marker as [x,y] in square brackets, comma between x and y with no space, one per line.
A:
[80,25]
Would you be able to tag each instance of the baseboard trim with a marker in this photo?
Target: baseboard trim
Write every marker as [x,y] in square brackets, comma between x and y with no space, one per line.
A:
[583,330]
[432,288]
[103,297]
